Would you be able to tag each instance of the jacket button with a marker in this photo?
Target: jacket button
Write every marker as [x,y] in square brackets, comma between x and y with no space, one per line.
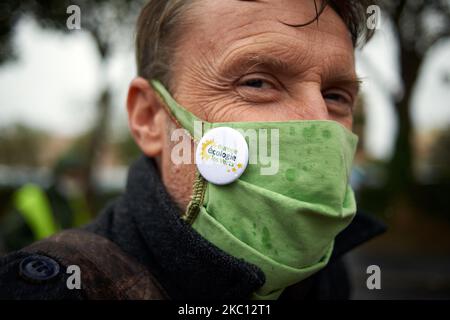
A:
[37,268]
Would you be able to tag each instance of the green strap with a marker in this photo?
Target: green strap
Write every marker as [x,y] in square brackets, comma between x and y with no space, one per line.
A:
[32,203]
[180,115]
[196,202]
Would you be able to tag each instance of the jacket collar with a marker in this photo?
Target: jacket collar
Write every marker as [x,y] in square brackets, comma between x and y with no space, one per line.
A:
[363,228]
[146,223]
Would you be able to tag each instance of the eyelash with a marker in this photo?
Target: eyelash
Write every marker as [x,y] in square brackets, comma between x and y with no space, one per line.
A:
[256,78]
[336,97]
[339,96]
[248,81]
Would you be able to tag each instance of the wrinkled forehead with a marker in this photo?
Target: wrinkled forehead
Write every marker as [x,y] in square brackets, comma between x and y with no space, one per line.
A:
[235,32]
[220,23]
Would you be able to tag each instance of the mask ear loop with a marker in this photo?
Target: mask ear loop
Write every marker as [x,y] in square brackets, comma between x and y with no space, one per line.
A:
[199,187]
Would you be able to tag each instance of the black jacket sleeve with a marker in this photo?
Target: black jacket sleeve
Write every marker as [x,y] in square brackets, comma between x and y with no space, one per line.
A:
[31,276]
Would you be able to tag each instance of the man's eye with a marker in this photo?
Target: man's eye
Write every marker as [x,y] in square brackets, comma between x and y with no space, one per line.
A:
[256,83]
[258,88]
[339,103]
[336,97]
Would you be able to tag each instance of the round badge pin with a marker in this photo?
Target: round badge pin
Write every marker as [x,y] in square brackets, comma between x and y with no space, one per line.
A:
[222,155]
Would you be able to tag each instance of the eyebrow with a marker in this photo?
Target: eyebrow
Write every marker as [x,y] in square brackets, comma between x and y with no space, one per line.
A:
[245,63]
[352,82]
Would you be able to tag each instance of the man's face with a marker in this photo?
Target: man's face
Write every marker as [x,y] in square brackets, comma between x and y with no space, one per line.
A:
[237,61]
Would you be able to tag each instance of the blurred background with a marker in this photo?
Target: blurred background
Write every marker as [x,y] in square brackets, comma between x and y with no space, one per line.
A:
[65,145]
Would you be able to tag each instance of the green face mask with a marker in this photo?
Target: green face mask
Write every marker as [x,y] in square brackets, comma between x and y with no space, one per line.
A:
[284,223]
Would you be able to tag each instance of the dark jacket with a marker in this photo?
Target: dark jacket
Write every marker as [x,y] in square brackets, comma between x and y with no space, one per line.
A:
[140,248]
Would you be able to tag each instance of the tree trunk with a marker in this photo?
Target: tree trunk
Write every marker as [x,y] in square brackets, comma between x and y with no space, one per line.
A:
[96,144]
[401,177]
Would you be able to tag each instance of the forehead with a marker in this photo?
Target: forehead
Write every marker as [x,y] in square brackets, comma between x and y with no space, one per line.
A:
[220,28]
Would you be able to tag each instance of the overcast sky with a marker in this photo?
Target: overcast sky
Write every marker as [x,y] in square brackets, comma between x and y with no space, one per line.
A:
[54,84]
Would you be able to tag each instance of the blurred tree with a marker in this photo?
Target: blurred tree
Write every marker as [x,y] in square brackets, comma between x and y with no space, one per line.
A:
[419,25]
[107,21]
[20,145]
[440,158]
[127,149]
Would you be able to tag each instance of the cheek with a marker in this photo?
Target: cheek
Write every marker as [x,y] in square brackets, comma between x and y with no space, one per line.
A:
[216,105]
[178,178]
[345,121]
[230,110]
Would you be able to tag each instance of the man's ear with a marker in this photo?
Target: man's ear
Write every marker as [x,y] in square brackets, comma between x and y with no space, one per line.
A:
[146,117]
